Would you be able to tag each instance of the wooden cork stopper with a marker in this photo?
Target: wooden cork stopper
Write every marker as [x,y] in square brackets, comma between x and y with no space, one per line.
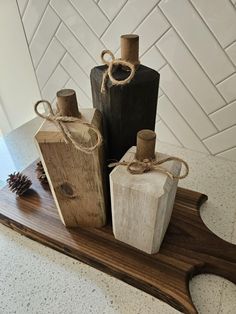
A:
[146,140]
[67,103]
[130,48]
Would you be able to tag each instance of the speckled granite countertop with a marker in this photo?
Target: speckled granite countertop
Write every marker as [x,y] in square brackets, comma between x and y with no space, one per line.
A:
[36,279]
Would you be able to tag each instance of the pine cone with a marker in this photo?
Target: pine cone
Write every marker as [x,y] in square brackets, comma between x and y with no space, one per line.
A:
[18,183]
[41,175]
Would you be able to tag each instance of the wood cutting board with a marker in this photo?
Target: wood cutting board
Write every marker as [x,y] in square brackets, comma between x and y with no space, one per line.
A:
[189,247]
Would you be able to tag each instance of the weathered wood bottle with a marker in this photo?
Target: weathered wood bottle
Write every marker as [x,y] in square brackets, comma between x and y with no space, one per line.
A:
[76,176]
[126,108]
[142,199]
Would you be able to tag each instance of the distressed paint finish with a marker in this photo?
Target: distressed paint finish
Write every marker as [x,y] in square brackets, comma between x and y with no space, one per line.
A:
[142,204]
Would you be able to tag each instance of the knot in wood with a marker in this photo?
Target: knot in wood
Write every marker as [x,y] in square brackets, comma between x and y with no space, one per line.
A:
[67,190]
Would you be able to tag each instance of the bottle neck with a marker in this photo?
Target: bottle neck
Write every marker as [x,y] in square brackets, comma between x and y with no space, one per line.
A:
[130,48]
[146,141]
[67,103]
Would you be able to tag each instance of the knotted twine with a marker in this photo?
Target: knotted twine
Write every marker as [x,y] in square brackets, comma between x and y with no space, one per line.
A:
[111,66]
[140,167]
[60,122]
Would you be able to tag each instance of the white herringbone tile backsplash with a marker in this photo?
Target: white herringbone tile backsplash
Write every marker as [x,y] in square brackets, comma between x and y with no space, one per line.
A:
[191,43]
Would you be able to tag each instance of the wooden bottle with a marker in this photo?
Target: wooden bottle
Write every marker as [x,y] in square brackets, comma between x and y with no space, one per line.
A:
[142,203]
[76,178]
[129,108]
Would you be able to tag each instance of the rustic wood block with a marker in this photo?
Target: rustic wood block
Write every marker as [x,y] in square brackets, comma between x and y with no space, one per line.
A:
[75,178]
[142,204]
[126,109]
[189,247]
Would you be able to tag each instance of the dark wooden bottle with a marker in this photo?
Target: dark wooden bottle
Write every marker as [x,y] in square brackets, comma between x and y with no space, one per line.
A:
[129,108]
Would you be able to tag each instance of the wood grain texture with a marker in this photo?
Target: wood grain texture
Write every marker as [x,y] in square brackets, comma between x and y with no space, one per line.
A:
[142,204]
[77,179]
[126,109]
[189,248]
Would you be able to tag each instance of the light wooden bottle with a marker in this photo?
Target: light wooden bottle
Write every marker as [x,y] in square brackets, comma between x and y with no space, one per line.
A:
[142,203]
[76,179]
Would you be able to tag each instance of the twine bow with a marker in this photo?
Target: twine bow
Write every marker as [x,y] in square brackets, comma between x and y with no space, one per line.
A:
[60,122]
[108,73]
[139,167]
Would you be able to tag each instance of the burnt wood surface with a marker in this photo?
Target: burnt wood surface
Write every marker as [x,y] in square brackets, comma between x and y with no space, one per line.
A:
[126,109]
[189,247]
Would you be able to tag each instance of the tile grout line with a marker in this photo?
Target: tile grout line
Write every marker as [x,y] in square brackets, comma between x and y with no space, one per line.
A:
[190,51]
[73,79]
[52,101]
[164,94]
[30,55]
[64,46]
[67,80]
[53,71]
[186,121]
[154,44]
[231,44]
[160,70]
[81,90]
[51,39]
[169,128]
[24,9]
[75,83]
[166,31]
[72,32]
[39,22]
[70,55]
[225,79]
[216,39]
[142,20]
[224,150]
[101,9]
[163,121]
[143,54]
[201,68]
[76,40]
[111,21]
[145,17]
[97,36]
[221,131]
[59,65]
[225,105]
[233,4]
[199,105]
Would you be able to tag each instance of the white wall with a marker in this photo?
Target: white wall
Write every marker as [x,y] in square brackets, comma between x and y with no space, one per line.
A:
[18,85]
[192,43]
[5,126]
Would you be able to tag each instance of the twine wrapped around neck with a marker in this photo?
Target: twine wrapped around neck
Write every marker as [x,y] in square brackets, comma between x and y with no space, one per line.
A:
[140,167]
[60,122]
[108,73]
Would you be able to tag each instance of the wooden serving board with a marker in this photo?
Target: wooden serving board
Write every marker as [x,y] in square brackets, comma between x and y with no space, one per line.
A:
[189,248]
